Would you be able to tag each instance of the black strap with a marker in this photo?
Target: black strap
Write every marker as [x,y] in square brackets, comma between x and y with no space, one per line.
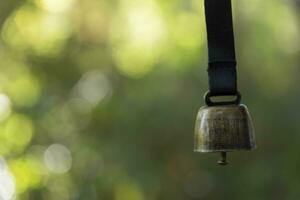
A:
[222,63]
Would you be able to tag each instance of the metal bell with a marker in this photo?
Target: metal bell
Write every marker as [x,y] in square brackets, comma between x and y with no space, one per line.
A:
[224,128]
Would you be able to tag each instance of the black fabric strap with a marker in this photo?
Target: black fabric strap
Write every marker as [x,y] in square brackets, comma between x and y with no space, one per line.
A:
[222,62]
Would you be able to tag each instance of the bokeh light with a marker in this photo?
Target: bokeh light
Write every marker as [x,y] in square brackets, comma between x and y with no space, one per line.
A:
[55,5]
[138,28]
[7,182]
[32,29]
[28,172]
[5,106]
[58,158]
[94,86]
[16,134]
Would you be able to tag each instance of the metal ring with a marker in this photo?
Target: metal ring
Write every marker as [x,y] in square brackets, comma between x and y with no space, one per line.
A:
[208,101]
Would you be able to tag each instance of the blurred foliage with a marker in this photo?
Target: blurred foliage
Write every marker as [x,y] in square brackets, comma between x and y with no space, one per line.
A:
[98,100]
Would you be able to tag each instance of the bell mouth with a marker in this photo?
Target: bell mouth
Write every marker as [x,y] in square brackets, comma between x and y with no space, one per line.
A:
[254,147]
[224,128]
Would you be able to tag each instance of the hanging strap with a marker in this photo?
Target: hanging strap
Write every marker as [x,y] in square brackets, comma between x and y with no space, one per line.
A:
[222,62]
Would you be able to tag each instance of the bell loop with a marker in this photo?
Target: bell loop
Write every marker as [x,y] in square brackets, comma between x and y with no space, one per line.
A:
[209,102]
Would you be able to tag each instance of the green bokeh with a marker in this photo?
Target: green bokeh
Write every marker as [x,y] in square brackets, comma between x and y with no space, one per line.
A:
[98,100]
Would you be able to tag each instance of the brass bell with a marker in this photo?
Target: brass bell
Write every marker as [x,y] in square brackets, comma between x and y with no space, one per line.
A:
[224,128]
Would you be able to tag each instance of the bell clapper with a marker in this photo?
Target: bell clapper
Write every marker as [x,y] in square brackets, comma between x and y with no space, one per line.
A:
[223,160]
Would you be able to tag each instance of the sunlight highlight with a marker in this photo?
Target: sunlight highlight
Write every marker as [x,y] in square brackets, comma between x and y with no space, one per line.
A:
[7,182]
[145,25]
[5,107]
[138,35]
[56,5]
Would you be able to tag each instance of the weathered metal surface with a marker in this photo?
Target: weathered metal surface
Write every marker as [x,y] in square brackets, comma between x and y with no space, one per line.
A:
[223,129]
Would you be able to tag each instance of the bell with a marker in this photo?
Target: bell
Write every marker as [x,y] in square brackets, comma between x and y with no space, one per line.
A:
[224,128]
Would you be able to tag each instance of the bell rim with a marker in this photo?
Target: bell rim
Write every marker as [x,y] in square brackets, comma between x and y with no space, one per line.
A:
[224,150]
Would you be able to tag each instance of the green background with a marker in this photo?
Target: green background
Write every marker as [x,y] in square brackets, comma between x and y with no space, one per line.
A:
[98,100]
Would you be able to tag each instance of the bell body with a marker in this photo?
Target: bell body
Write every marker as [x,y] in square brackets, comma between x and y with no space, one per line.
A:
[224,128]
